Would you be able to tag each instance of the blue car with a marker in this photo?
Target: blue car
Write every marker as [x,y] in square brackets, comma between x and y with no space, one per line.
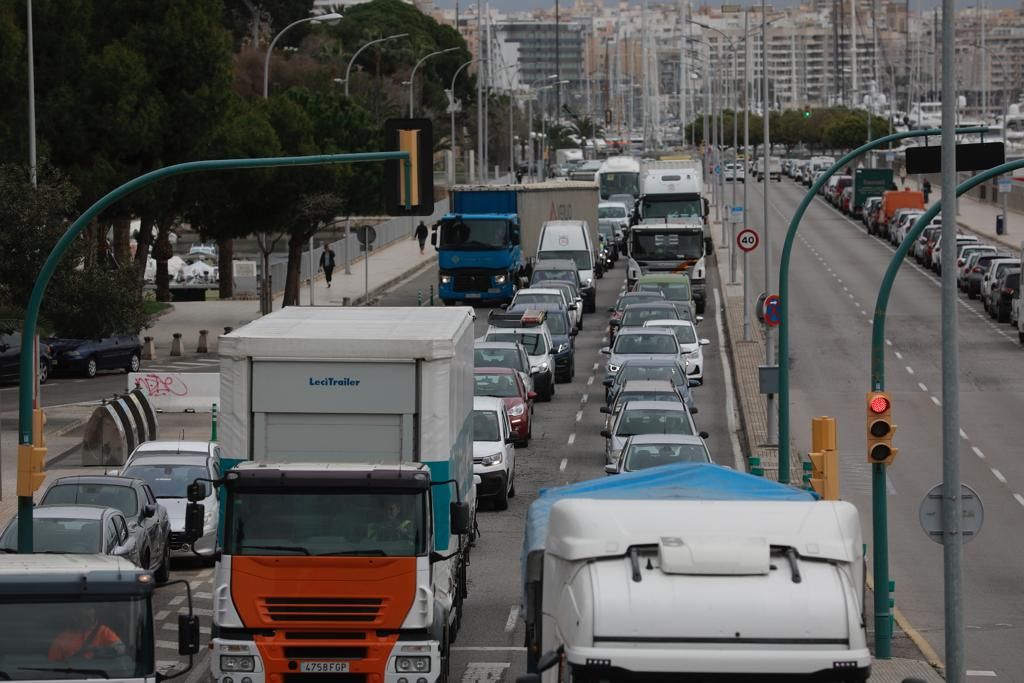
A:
[89,356]
[563,336]
[10,358]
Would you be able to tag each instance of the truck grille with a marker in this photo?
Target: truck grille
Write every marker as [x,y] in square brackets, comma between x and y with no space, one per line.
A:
[344,610]
[324,652]
[472,283]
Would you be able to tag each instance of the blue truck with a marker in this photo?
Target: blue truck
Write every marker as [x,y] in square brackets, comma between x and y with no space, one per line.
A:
[487,240]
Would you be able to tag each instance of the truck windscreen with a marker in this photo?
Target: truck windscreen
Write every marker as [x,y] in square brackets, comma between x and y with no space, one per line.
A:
[52,639]
[654,208]
[474,234]
[666,245]
[326,522]
[619,183]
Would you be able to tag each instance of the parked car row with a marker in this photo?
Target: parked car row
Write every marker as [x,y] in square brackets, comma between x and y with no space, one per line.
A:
[85,357]
[137,512]
[655,358]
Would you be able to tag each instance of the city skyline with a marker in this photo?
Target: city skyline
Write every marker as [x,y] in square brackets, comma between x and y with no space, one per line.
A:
[526,5]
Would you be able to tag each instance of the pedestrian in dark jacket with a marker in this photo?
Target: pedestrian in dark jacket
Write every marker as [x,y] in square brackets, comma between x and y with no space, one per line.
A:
[926,188]
[327,262]
[421,235]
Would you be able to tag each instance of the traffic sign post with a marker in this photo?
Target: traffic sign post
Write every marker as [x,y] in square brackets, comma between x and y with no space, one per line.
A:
[972,514]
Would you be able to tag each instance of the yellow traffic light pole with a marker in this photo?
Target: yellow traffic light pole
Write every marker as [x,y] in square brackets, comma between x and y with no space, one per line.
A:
[824,458]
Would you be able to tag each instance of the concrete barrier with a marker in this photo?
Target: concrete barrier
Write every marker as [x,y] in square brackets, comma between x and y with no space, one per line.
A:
[178,392]
[116,428]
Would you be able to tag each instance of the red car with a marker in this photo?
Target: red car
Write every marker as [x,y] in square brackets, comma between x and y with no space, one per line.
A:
[506,384]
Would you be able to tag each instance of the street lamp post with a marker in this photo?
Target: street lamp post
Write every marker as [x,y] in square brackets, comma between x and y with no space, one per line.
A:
[31,94]
[454,76]
[348,69]
[529,116]
[266,300]
[412,77]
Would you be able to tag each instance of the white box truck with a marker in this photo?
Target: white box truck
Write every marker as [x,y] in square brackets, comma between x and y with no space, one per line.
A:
[634,582]
[347,525]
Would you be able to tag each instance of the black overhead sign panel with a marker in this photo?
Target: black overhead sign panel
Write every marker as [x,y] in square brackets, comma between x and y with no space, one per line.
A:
[979,156]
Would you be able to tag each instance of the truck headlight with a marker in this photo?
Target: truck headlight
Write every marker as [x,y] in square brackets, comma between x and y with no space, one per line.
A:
[237,663]
[412,664]
[446,279]
[500,279]
[516,411]
[492,459]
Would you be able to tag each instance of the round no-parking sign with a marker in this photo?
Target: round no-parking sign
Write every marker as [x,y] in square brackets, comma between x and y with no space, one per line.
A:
[747,239]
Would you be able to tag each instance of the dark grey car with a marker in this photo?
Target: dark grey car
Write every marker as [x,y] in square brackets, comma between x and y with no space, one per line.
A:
[147,520]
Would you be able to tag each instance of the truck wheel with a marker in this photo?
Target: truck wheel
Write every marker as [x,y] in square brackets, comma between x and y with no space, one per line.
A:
[163,572]
[501,499]
[701,306]
[512,486]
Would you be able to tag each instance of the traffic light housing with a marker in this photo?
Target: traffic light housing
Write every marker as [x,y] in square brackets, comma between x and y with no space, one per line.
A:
[807,112]
[416,137]
[32,457]
[824,458]
[880,428]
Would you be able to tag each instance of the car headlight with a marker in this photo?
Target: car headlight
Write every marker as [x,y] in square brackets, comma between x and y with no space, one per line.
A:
[446,279]
[563,347]
[517,410]
[237,663]
[613,368]
[72,354]
[540,367]
[493,459]
[589,282]
[500,279]
[412,664]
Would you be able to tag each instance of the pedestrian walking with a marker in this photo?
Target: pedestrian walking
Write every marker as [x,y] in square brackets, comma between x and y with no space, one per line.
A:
[327,262]
[421,235]
[926,187]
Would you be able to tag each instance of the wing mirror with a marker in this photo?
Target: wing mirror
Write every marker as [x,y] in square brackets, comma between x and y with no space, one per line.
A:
[148,510]
[509,440]
[705,342]
[611,469]
[700,318]
[606,350]
[607,381]
[188,634]
[606,410]
[531,395]
[606,434]
[703,435]
[460,518]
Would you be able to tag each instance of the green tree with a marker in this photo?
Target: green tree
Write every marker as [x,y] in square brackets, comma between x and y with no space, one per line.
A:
[97,302]
[255,22]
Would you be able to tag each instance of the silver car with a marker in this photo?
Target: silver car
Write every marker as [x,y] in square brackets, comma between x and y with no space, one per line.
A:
[169,467]
[654,450]
[640,342]
[646,417]
[77,530]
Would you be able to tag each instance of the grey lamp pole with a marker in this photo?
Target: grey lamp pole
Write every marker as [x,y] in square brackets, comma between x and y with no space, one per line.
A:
[769,338]
[266,299]
[348,69]
[31,95]
[534,90]
[454,76]
[412,77]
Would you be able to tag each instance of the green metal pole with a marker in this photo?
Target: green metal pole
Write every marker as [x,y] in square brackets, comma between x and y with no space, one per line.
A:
[213,423]
[879,504]
[35,301]
[787,249]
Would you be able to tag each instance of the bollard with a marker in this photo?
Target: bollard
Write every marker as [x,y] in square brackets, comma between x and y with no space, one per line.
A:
[346,301]
[148,349]
[755,466]
[201,347]
[419,297]
[213,423]
[431,295]
[807,475]
[176,345]
[228,329]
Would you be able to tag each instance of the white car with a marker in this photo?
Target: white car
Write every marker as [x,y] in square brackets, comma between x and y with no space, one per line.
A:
[550,295]
[539,347]
[647,417]
[169,467]
[494,455]
[691,347]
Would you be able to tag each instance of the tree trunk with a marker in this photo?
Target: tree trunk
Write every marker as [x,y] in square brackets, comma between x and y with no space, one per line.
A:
[225,259]
[143,241]
[291,288]
[162,252]
[122,240]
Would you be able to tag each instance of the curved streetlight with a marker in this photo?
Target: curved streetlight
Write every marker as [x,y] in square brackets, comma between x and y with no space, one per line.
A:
[329,18]
[451,108]
[529,114]
[412,76]
[351,61]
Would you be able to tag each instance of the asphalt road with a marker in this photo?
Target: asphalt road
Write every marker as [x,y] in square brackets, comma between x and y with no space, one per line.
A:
[836,271]
[567,447]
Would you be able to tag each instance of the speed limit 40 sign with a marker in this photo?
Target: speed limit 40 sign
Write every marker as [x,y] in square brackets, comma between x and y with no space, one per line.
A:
[747,239]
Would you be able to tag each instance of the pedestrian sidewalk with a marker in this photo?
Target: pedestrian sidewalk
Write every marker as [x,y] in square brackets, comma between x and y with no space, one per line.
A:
[979,217]
[387,266]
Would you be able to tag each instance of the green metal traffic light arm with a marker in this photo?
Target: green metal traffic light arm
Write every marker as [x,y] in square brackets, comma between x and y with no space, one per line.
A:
[27,371]
[787,249]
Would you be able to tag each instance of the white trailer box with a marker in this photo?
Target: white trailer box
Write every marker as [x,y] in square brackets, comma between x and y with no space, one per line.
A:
[663,589]
[344,384]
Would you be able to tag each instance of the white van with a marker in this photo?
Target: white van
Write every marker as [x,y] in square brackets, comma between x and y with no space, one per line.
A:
[572,240]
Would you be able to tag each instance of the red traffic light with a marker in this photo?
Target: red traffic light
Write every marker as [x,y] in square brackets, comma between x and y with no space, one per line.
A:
[879,405]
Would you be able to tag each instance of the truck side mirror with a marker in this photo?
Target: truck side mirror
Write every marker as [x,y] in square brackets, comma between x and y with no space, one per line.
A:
[194,514]
[433,239]
[195,492]
[188,634]
[460,520]
[514,235]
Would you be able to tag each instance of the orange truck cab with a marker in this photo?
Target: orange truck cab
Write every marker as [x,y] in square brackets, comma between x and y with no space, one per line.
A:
[346,525]
[893,200]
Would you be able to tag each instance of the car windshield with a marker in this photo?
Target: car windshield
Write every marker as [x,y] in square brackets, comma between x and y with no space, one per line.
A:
[642,457]
[121,498]
[474,234]
[620,183]
[319,520]
[645,343]
[684,333]
[671,245]
[671,291]
[554,319]
[169,480]
[525,297]
[485,426]
[642,299]
[616,211]
[533,342]
[497,358]
[606,231]
[639,371]
[59,535]
[653,421]
[41,638]
[545,274]
[636,316]
[502,386]
[580,258]
[627,396]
